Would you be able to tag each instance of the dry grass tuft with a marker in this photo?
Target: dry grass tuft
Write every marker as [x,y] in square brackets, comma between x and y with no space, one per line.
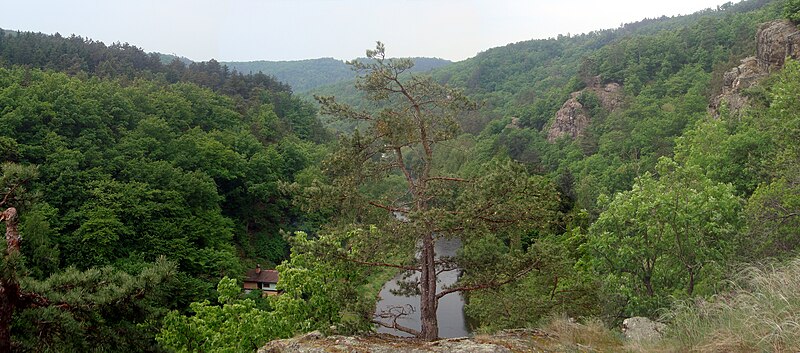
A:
[762,314]
[591,336]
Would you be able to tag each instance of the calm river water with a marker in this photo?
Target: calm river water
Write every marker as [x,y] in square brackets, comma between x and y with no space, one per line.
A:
[450,313]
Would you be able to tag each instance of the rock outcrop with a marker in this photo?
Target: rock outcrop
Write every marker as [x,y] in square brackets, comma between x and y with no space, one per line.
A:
[573,118]
[514,124]
[560,336]
[642,329]
[775,41]
[503,342]
[734,82]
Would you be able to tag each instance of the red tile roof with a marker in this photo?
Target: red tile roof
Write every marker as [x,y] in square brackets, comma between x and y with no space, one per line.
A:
[266,276]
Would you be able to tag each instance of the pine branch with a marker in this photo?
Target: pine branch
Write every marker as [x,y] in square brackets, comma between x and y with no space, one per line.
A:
[382,264]
[450,179]
[490,284]
[388,208]
[12,189]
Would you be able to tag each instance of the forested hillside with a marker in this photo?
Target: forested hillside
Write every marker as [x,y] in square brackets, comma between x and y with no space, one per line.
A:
[119,160]
[655,209]
[623,172]
[622,162]
[668,69]
[306,75]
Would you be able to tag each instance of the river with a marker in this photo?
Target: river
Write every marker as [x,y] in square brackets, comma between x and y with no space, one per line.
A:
[450,312]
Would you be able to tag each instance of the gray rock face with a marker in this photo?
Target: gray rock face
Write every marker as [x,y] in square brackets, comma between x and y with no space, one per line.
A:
[642,329]
[610,95]
[503,342]
[775,41]
[734,82]
[317,344]
[572,119]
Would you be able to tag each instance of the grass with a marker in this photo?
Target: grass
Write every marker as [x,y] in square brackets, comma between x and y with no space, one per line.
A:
[591,336]
[762,314]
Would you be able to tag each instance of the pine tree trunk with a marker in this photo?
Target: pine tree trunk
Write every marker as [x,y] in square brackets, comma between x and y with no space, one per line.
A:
[9,288]
[428,301]
[9,292]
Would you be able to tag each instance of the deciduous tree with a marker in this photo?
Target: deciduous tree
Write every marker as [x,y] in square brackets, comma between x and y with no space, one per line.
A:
[659,238]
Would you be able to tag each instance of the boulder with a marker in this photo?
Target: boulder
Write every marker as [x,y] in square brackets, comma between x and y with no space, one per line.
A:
[514,124]
[642,329]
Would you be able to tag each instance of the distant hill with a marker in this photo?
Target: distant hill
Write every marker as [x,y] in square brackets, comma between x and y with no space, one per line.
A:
[305,75]
[166,59]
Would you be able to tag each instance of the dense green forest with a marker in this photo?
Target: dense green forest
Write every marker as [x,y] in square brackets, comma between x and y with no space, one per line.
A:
[143,190]
[134,160]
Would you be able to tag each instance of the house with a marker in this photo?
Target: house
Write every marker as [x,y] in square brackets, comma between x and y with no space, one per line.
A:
[263,280]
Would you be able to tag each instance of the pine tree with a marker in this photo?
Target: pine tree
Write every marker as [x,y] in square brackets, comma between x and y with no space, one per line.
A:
[487,211]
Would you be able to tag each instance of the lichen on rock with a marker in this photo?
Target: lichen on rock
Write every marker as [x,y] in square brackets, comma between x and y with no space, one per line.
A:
[642,329]
[523,340]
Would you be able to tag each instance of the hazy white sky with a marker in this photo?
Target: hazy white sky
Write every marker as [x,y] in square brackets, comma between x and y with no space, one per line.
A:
[244,30]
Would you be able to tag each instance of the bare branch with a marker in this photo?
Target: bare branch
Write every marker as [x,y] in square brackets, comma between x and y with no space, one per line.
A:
[401,164]
[450,179]
[394,313]
[438,272]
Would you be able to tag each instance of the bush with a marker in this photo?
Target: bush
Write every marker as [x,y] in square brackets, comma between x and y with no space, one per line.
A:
[791,10]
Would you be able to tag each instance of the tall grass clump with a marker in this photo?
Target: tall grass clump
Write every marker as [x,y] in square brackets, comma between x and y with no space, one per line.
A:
[761,314]
[591,335]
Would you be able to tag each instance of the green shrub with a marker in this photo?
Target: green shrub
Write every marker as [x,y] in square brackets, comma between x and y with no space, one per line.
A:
[791,10]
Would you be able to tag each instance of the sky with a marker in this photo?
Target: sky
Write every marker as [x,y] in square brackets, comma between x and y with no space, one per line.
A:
[247,30]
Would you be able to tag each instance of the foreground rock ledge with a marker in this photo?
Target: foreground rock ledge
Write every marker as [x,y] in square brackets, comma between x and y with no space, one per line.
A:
[503,342]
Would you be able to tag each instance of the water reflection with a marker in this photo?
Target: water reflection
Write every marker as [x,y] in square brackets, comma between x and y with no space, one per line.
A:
[450,312]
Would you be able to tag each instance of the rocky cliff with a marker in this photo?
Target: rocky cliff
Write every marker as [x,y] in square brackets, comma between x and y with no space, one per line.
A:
[573,118]
[775,41]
